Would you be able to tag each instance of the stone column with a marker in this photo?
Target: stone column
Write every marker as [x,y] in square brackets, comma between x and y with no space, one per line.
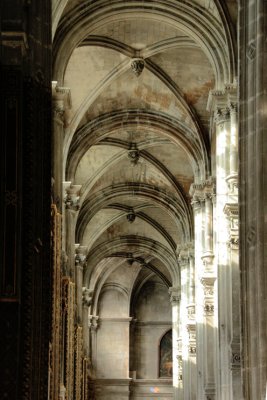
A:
[232,389]
[196,312]
[175,298]
[253,195]
[203,194]
[191,329]
[186,266]
[208,280]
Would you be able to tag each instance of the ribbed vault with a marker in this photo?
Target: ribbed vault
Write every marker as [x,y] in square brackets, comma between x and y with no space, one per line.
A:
[137,135]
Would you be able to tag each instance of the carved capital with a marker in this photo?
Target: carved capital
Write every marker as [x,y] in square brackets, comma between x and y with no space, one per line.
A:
[208,285]
[203,190]
[87,296]
[208,262]
[222,115]
[61,95]
[72,196]
[175,295]
[93,322]
[232,183]
[80,255]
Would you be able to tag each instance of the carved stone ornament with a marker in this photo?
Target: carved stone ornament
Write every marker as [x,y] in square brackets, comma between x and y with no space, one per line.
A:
[222,115]
[208,309]
[175,295]
[93,322]
[231,210]
[192,349]
[208,285]
[251,50]
[80,254]
[133,154]
[72,196]
[191,311]
[131,216]
[137,66]
[201,191]
[235,354]
[87,296]
[232,183]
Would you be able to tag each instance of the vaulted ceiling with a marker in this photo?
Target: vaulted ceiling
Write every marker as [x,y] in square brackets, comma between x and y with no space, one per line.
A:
[137,134]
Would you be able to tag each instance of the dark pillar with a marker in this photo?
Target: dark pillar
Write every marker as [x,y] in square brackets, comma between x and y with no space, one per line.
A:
[25,141]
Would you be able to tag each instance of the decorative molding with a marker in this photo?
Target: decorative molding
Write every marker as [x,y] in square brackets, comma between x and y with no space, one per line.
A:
[15,39]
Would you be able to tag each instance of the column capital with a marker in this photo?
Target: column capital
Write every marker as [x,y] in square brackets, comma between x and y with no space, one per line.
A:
[222,115]
[232,183]
[80,254]
[185,251]
[200,191]
[175,295]
[87,296]
[220,99]
[93,322]
[71,195]
[61,100]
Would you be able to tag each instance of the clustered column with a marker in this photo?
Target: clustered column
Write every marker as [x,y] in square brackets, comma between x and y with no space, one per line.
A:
[205,284]
[187,350]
